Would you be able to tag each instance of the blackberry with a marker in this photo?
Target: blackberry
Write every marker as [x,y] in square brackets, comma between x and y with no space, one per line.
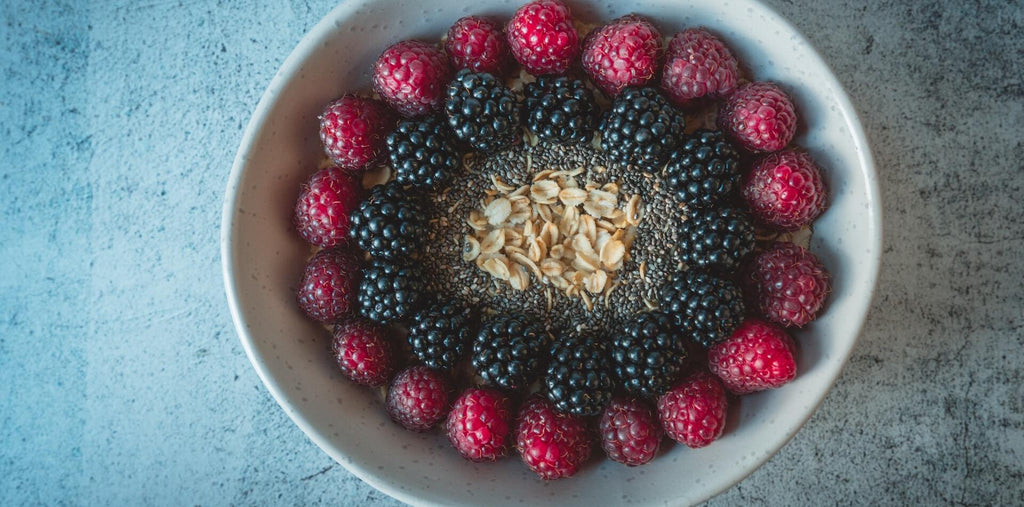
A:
[388,223]
[422,153]
[649,354]
[716,239]
[389,292]
[705,169]
[641,128]
[440,333]
[508,351]
[560,109]
[482,111]
[703,306]
[579,378]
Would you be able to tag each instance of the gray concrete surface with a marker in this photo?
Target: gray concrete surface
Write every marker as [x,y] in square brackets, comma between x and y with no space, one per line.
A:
[122,381]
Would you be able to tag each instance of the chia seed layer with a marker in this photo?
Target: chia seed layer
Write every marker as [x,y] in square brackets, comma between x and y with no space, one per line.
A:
[654,248]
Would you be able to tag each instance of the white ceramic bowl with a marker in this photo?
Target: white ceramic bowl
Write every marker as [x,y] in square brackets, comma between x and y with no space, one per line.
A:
[263,259]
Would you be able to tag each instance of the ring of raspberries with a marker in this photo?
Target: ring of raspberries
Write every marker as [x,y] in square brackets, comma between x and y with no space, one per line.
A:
[500,383]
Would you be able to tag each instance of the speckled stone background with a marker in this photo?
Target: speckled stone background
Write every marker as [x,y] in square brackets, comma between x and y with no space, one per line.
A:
[122,380]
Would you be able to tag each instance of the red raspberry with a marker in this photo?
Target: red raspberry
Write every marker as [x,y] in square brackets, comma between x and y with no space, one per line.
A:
[756,357]
[418,398]
[543,38]
[699,65]
[625,52]
[552,444]
[327,291]
[478,424]
[788,284]
[759,116]
[324,205]
[630,433]
[353,131]
[785,190]
[477,44]
[412,77]
[693,412]
[363,352]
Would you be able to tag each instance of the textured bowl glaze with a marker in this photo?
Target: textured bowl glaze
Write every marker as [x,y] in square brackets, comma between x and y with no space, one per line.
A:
[263,258]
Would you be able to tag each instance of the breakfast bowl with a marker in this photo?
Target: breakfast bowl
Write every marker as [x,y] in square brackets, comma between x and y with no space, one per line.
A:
[263,259]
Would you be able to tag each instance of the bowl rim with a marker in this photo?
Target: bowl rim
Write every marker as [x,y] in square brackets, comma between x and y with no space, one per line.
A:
[257,122]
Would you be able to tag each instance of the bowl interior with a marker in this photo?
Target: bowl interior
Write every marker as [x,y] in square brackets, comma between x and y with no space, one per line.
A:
[263,259]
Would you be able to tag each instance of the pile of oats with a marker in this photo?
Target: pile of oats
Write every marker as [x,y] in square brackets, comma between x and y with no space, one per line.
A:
[554,232]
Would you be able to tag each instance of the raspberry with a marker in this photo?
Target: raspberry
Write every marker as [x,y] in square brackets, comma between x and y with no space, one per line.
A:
[418,398]
[411,76]
[788,284]
[693,412]
[542,37]
[353,129]
[325,203]
[759,116]
[623,53]
[552,444]
[363,352]
[477,44]
[785,190]
[630,433]
[478,424]
[699,65]
[756,357]
[328,288]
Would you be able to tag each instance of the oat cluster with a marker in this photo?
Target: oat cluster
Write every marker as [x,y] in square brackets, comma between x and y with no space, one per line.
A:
[554,232]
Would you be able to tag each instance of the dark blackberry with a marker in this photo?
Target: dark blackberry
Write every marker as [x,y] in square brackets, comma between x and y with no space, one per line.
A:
[509,350]
[388,223]
[641,128]
[422,152]
[440,333]
[560,109]
[705,169]
[482,111]
[716,239]
[649,354]
[390,292]
[703,306]
[579,378]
